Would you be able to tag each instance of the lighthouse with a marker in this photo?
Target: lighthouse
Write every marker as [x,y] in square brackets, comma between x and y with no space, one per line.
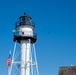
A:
[24,35]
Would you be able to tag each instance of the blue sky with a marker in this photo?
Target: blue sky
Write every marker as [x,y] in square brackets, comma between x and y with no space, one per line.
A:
[55,22]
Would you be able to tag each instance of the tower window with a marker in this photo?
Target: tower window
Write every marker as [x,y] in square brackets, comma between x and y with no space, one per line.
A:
[22,32]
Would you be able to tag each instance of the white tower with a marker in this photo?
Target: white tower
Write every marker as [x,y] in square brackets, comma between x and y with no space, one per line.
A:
[24,35]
